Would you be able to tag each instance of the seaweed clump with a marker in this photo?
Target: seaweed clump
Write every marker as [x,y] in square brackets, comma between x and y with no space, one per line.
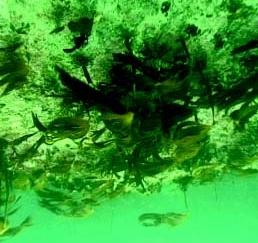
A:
[145,102]
[13,67]
[8,199]
[152,100]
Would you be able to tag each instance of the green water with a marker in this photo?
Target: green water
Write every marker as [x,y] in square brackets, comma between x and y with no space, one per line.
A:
[223,212]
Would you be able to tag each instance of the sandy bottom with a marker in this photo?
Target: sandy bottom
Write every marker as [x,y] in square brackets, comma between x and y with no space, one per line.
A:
[224,212]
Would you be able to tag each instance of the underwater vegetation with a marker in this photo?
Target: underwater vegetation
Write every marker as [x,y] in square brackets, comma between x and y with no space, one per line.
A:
[9,231]
[58,129]
[153,99]
[83,27]
[8,200]
[13,67]
[150,121]
[62,127]
[165,7]
[65,203]
[77,197]
[155,219]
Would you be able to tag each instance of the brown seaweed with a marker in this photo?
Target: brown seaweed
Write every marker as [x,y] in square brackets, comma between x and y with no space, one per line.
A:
[62,127]
[83,26]
[156,219]
[244,113]
[252,44]
[7,231]
[13,68]
[65,203]
[89,95]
